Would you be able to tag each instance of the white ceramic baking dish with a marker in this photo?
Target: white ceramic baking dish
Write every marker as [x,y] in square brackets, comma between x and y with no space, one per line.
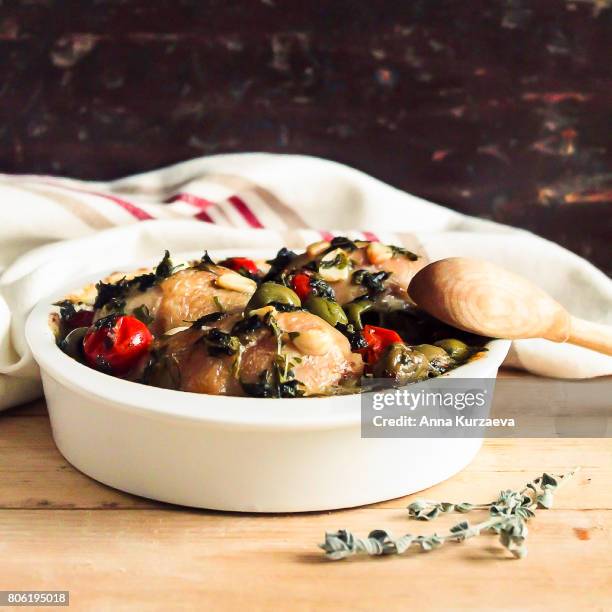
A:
[234,453]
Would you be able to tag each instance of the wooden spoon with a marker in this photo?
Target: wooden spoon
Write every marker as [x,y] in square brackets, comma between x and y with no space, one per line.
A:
[479,297]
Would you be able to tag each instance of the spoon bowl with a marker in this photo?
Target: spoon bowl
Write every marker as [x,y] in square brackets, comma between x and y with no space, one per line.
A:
[482,298]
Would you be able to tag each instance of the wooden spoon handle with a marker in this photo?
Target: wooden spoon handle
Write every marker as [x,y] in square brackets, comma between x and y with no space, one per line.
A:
[591,335]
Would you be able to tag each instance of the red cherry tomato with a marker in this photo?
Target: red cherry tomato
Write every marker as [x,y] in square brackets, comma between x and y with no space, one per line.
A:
[301,285]
[240,263]
[378,339]
[81,318]
[115,343]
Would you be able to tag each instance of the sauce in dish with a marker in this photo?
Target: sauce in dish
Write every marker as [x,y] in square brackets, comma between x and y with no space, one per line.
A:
[322,322]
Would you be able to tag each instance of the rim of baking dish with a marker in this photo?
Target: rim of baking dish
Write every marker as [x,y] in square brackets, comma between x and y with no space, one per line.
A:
[231,411]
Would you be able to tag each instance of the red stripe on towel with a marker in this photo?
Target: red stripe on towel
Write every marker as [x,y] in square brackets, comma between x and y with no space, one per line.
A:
[204,216]
[326,235]
[135,211]
[371,236]
[192,199]
[245,211]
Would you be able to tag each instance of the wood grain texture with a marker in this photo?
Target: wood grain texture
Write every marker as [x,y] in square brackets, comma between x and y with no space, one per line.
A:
[480,297]
[157,560]
[33,474]
[61,530]
[595,336]
[496,108]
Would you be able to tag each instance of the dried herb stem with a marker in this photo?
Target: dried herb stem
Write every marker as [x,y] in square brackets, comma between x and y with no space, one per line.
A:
[508,518]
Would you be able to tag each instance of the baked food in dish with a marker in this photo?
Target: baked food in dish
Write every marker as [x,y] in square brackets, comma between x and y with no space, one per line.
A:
[322,322]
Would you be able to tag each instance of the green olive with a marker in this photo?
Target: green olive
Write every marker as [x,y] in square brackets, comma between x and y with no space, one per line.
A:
[438,358]
[72,344]
[402,363]
[328,310]
[455,348]
[272,292]
[354,310]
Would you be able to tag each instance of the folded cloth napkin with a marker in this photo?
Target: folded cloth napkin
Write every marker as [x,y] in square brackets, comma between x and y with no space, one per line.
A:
[53,230]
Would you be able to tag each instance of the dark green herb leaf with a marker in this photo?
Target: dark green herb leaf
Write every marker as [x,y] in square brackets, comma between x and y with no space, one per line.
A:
[205,320]
[341,242]
[279,263]
[205,261]
[66,308]
[220,343]
[114,294]
[321,289]
[164,268]
[107,322]
[248,325]
[110,292]
[404,252]
[268,388]
[282,307]
[355,337]
[340,261]
[372,281]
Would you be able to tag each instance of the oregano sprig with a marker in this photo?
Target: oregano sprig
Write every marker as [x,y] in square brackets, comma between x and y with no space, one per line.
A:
[508,516]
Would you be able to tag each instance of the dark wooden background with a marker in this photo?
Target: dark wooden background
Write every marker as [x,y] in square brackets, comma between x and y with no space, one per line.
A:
[498,108]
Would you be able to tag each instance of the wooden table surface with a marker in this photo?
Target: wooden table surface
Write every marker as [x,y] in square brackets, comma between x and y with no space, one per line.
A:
[61,530]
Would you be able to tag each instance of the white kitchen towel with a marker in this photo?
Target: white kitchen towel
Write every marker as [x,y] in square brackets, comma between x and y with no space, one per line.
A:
[53,230]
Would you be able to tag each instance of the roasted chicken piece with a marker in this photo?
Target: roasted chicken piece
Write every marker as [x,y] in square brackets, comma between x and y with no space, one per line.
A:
[268,354]
[184,296]
[187,295]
